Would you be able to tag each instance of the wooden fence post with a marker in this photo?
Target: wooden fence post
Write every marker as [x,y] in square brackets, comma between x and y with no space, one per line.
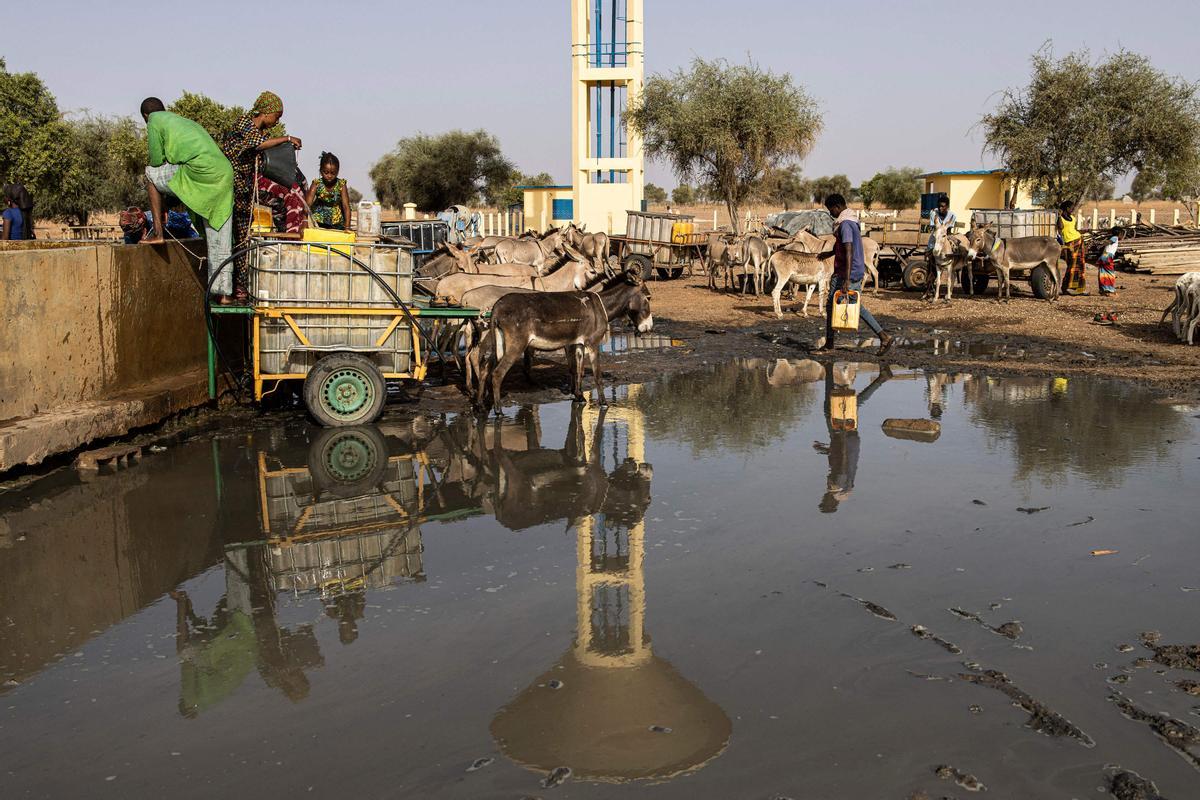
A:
[1176,220]
[1095,217]
[1152,216]
[1133,216]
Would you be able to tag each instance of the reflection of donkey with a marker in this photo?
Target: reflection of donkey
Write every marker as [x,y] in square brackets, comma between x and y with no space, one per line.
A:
[535,485]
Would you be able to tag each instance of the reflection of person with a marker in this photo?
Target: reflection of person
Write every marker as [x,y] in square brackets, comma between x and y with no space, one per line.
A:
[1072,241]
[244,632]
[347,609]
[186,163]
[849,266]
[329,196]
[242,146]
[215,654]
[843,447]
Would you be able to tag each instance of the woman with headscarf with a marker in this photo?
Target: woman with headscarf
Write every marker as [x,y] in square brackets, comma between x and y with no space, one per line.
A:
[18,197]
[242,146]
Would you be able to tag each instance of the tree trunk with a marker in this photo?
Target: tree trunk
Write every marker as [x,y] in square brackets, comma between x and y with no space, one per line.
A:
[732,207]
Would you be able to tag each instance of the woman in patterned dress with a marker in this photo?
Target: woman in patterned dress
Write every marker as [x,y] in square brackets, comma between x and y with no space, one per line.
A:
[328,196]
[242,146]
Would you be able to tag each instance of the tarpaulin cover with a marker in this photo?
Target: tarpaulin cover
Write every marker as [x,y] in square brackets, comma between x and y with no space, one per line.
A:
[815,220]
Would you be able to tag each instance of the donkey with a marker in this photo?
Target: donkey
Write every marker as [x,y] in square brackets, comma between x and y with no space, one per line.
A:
[1179,308]
[595,246]
[575,321]
[750,252]
[811,270]
[535,252]
[1026,252]
[804,241]
[571,273]
[951,254]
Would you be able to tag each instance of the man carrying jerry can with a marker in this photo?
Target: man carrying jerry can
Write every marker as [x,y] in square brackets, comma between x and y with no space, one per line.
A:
[848,270]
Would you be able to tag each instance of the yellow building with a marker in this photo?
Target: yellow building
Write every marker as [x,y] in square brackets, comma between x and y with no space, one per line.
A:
[971,189]
[607,167]
[547,206]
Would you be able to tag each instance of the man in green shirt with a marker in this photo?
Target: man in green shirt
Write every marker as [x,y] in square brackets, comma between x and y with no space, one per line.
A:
[185,162]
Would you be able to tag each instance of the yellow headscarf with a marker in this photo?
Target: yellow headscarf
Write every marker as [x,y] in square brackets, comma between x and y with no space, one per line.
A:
[267,103]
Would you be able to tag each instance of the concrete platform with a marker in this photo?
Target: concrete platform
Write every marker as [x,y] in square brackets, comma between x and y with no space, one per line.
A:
[100,339]
[32,439]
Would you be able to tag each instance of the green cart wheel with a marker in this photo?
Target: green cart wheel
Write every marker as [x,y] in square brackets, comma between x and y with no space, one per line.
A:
[344,389]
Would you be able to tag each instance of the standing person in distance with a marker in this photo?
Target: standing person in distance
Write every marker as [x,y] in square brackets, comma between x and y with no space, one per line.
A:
[849,266]
[1072,241]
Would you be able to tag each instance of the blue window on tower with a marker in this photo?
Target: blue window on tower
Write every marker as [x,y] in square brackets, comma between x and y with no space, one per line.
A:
[563,209]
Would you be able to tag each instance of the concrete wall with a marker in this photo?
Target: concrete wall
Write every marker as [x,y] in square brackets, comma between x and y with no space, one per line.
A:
[93,322]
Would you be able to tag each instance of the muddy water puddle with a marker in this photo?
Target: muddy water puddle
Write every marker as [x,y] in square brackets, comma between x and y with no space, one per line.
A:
[738,582]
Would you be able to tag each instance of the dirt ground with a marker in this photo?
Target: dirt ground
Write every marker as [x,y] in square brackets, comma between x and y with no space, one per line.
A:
[1024,335]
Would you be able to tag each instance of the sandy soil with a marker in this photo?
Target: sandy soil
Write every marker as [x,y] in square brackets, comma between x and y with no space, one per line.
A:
[1026,334]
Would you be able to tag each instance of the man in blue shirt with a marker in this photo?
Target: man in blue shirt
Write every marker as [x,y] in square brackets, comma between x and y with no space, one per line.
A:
[13,221]
[849,266]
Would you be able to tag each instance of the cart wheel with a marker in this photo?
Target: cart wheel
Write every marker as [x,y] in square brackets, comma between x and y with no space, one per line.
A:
[1041,280]
[916,274]
[349,461]
[641,264]
[344,389]
[981,283]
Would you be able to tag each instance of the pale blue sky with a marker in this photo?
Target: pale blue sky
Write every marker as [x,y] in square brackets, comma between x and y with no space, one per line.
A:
[900,83]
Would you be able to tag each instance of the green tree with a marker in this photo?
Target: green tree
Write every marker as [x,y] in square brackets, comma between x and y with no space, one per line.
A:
[896,188]
[725,125]
[654,194]
[216,118]
[78,167]
[510,194]
[784,186]
[683,195]
[355,194]
[868,193]
[1103,190]
[829,184]
[436,172]
[26,105]
[72,167]
[1080,122]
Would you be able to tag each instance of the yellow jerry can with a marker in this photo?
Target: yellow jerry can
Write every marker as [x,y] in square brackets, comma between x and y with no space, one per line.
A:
[843,409]
[845,310]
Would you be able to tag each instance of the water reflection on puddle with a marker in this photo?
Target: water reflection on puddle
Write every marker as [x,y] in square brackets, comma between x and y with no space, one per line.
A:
[707,586]
[618,343]
[946,346]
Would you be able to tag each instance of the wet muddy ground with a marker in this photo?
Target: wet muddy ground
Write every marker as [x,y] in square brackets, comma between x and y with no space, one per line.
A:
[734,581]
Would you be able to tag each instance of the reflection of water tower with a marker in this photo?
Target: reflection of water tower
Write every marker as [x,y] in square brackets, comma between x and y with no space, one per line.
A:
[619,712]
